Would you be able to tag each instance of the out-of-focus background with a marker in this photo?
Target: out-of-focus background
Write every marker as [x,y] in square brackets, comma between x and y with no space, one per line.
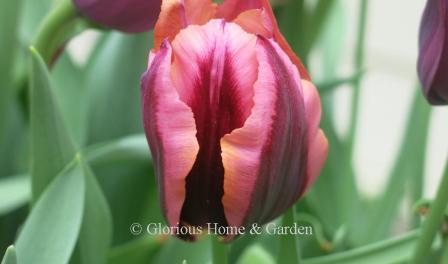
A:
[386,92]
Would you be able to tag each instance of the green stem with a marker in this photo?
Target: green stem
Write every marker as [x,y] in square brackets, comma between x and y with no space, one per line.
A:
[289,248]
[433,222]
[359,64]
[219,251]
[64,13]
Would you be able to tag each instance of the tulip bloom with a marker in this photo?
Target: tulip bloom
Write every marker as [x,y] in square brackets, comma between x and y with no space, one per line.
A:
[130,16]
[433,56]
[230,114]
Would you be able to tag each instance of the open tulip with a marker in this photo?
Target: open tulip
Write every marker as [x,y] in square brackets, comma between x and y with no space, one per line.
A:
[433,55]
[125,15]
[230,114]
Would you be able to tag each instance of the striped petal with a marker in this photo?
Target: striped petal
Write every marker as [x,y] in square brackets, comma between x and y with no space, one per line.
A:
[214,70]
[171,133]
[265,160]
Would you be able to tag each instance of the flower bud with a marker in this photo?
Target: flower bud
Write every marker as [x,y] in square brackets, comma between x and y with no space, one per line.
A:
[230,115]
[433,52]
[130,16]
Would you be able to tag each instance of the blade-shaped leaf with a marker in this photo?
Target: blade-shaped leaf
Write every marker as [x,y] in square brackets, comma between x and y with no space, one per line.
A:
[138,251]
[395,250]
[10,256]
[50,232]
[125,173]
[95,235]
[71,94]
[114,86]
[51,145]
[14,192]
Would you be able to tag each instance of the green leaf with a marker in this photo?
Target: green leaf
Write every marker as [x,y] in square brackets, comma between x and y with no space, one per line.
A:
[50,232]
[33,13]
[95,235]
[51,145]
[198,252]
[113,82]
[138,251]
[9,14]
[71,93]
[131,148]
[10,256]
[256,254]
[395,250]
[14,192]
[125,173]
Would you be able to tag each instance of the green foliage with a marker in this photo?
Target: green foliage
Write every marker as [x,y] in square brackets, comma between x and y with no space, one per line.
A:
[51,146]
[51,230]
[10,256]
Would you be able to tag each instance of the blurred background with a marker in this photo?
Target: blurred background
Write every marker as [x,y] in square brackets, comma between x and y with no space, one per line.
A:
[97,86]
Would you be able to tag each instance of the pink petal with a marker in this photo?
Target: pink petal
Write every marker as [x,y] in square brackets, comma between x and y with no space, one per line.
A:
[214,70]
[265,160]
[317,142]
[231,9]
[171,133]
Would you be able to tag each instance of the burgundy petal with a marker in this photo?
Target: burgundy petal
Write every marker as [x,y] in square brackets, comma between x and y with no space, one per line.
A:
[433,55]
[126,15]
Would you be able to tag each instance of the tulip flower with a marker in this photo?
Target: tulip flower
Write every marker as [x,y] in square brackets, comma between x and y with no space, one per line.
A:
[433,55]
[230,114]
[130,16]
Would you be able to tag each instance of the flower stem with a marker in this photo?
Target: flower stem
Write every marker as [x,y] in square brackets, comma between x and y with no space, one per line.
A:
[433,222]
[289,248]
[219,251]
[51,27]
[359,64]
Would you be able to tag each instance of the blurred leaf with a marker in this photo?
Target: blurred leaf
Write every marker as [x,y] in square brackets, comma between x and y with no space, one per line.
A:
[395,250]
[14,192]
[113,83]
[50,232]
[10,256]
[329,86]
[51,146]
[318,20]
[138,251]
[176,251]
[9,14]
[71,95]
[32,15]
[408,168]
[96,229]
[255,254]
[131,148]
[124,170]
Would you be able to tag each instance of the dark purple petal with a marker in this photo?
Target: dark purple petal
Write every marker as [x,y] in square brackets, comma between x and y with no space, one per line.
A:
[433,56]
[130,16]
